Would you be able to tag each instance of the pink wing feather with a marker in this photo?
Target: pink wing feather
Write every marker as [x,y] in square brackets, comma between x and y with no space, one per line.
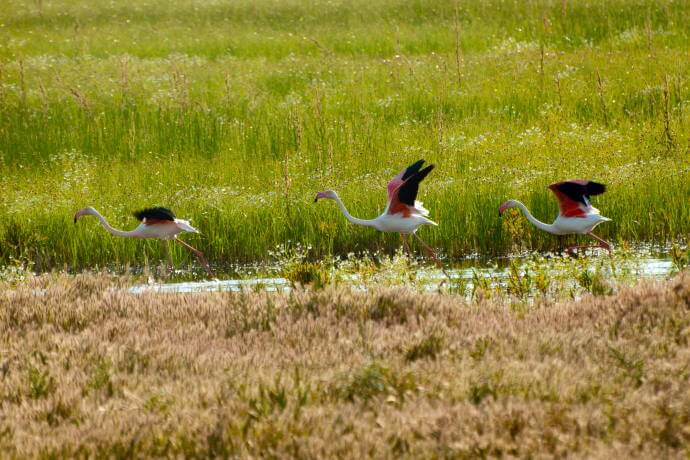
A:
[393,185]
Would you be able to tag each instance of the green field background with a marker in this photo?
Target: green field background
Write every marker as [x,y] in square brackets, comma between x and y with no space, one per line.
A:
[235,113]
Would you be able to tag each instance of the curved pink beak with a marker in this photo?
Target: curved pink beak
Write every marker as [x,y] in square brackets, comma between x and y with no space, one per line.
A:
[502,208]
[319,195]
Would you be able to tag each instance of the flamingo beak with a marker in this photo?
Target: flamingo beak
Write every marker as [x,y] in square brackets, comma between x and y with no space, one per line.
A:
[78,215]
[319,195]
[502,209]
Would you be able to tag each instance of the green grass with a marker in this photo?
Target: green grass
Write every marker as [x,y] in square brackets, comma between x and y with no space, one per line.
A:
[235,114]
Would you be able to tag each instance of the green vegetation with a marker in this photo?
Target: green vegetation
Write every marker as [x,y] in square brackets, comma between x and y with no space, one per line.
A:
[235,113]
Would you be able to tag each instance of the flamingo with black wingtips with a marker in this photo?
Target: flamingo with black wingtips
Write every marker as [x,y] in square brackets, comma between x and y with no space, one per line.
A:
[577,215]
[159,223]
[403,214]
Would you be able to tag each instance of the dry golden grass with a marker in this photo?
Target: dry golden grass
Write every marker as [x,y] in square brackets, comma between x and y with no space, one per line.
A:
[86,369]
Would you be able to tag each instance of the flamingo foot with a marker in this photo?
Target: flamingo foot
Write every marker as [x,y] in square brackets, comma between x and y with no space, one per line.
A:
[606,246]
[575,250]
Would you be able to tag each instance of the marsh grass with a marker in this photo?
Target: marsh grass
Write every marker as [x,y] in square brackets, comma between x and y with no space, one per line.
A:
[235,115]
[89,370]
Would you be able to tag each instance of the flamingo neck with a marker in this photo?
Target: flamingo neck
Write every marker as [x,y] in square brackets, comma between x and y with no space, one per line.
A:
[110,229]
[348,216]
[536,222]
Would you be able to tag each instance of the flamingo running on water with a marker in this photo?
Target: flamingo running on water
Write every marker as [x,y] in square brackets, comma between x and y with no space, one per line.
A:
[577,215]
[403,214]
[159,223]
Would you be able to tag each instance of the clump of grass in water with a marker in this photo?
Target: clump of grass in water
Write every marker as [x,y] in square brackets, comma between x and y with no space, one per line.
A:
[680,258]
[519,280]
[291,262]
[308,273]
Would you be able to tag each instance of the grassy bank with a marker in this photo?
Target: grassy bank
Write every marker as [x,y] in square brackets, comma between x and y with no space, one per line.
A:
[87,369]
[236,114]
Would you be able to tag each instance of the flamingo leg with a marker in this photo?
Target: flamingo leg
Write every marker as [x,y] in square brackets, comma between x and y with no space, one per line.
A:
[199,255]
[602,242]
[433,255]
[406,244]
[168,255]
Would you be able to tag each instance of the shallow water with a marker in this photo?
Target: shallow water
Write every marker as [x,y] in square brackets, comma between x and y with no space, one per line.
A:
[647,265]
[216,285]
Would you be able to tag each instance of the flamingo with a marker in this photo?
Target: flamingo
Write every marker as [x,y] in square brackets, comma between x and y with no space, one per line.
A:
[403,214]
[576,216]
[159,223]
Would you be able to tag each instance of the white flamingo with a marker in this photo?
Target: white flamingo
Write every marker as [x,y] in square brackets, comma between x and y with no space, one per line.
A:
[403,214]
[159,223]
[576,216]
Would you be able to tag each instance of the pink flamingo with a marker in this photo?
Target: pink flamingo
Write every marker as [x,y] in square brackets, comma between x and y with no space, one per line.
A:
[159,223]
[403,214]
[577,215]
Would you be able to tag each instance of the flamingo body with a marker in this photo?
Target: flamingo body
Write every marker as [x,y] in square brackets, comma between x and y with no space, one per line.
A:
[401,223]
[577,225]
[160,230]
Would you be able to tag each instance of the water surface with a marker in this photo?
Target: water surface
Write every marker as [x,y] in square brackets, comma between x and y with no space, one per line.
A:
[643,264]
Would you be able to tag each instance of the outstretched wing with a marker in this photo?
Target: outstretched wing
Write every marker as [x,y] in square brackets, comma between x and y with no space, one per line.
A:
[398,180]
[152,215]
[573,196]
[404,197]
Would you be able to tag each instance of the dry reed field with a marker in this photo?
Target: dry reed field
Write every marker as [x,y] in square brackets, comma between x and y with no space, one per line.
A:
[87,369]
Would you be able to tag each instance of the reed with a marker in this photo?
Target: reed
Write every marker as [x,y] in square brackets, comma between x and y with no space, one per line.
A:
[89,370]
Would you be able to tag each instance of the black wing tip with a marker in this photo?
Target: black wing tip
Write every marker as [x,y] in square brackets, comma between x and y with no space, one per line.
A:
[413,169]
[409,189]
[595,188]
[425,172]
[578,190]
[586,187]
[158,212]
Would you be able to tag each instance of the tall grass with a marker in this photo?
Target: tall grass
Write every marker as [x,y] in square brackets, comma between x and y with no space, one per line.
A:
[340,373]
[234,115]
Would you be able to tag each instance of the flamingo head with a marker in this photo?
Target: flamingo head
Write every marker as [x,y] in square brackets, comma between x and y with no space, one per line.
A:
[328,194]
[88,211]
[506,205]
